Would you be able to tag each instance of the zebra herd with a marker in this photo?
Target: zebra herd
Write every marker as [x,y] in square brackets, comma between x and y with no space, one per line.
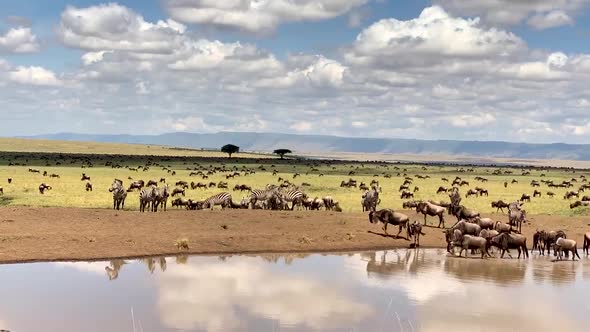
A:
[272,197]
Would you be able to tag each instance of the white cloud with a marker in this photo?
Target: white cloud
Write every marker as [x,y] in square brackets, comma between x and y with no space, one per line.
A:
[115,27]
[472,121]
[540,14]
[433,34]
[301,126]
[256,15]
[19,40]
[34,76]
[551,19]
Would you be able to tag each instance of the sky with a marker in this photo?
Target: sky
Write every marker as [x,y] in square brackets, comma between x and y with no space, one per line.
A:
[427,69]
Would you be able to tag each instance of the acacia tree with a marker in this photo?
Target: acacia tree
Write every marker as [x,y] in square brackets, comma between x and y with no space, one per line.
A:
[282,152]
[230,149]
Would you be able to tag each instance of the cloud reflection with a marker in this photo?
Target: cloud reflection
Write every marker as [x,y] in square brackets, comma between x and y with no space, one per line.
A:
[216,295]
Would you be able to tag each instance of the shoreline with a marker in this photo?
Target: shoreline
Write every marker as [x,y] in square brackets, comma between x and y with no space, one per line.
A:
[33,235]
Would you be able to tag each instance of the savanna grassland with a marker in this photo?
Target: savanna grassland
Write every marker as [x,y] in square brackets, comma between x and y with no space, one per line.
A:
[70,223]
[323,176]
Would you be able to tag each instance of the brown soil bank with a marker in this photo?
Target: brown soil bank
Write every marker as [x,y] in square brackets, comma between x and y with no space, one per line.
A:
[46,234]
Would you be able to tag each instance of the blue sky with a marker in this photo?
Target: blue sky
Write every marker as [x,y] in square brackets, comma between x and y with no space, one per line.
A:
[440,69]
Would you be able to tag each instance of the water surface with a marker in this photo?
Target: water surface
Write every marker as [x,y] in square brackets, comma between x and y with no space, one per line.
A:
[396,290]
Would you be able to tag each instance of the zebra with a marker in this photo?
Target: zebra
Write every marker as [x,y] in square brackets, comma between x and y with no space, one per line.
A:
[223,199]
[119,194]
[262,194]
[295,196]
[162,195]
[147,197]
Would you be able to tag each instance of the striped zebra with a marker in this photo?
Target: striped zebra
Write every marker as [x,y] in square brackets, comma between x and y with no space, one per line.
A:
[162,195]
[262,195]
[147,198]
[295,196]
[119,194]
[223,199]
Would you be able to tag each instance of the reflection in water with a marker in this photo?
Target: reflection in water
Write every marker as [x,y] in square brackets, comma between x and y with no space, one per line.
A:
[397,290]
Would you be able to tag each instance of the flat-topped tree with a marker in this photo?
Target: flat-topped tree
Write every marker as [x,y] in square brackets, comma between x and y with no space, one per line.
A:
[282,152]
[230,149]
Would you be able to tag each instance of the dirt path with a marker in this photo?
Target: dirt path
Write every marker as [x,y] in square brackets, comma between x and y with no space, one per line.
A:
[47,234]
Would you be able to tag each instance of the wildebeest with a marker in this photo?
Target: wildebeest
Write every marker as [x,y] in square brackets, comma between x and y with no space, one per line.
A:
[44,186]
[485,223]
[472,242]
[85,177]
[88,186]
[177,191]
[471,192]
[550,237]
[180,202]
[414,231]
[429,209]
[406,194]
[499,205]
[525,198]
[570,194]
[566,245]
[441,190]
[410,204]
[586,247]
[506,241]
[536,193]
[388,216]
[461,212]
[579,203]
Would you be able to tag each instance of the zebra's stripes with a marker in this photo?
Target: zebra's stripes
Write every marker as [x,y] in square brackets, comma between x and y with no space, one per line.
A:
[223,199]
[261,195]
[147,198]
[294,196]
[162,195]
[119,194]
[370,200]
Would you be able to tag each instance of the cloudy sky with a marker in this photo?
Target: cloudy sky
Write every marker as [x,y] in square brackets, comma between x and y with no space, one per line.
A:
[438,69]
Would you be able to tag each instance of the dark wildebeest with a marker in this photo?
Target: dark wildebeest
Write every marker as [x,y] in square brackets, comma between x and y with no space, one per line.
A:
[414,231]
[499,205]
[429,209]
[461,212]
[549,239]
[467,242]
[525,198]
[586,247]
[566,245]
[388,216]
[441,190]
[471,192]
[536,193]
[506,241]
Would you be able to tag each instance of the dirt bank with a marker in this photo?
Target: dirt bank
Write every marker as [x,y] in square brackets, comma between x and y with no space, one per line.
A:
[46,234]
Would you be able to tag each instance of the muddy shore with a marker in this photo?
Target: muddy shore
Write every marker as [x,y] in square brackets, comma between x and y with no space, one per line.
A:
[51,234]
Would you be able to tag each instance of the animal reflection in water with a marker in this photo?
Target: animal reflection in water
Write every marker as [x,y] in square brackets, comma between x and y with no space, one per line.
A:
[115,266]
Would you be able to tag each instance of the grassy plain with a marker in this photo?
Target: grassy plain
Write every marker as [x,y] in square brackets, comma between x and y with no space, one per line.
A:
[69,190]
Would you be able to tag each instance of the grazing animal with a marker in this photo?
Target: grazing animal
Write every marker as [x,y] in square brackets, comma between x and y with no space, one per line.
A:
[502,228]
[570,194]
[414,231]
[294,196]
[88,186]
[429,209]
[152,182]
[586,247]
[500,205]
[178,191]
[261,195]
[550,237]
[1,191]
[147,197]
[467,242]
[516,216]
[328,203]
[85,177]
[223,199]
[179,202]
[139,184]
[406,194]
[579,203]
[9,180]
[550,194]
[162,197]
[536,193]
[566,245]
[441,190]
[119,194]
[461,212]
[471,192]
[44,186]
[537,242]
[505,242]
[409,204]
[388,216]
[525,198]
[370,200]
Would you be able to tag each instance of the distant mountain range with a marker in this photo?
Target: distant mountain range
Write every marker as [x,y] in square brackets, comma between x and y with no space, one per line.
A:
[317,144]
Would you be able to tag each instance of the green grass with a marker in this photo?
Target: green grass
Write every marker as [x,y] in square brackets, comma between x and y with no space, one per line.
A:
[69,190]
